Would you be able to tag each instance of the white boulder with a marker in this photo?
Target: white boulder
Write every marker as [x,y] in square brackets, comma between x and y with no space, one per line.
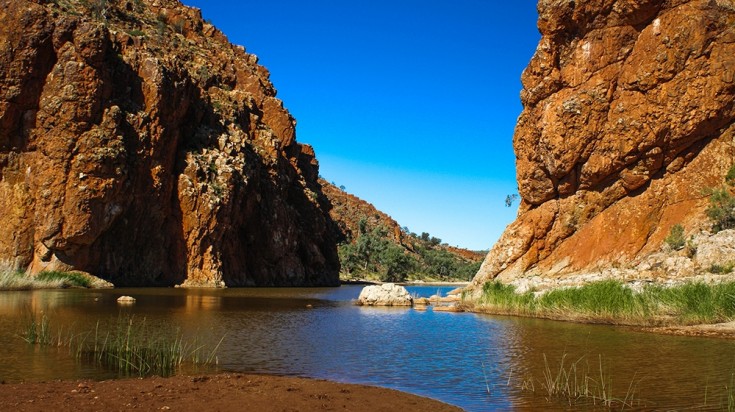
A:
[387,294]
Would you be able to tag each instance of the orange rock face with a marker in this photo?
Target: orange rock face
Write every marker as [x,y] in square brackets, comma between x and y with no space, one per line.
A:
[628,117]
[139,145]
[347,210]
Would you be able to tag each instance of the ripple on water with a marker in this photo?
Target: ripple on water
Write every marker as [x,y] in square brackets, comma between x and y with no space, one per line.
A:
[474,361]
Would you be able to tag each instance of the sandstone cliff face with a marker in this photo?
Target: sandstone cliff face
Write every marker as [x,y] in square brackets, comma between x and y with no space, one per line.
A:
[628,117]
[139,145]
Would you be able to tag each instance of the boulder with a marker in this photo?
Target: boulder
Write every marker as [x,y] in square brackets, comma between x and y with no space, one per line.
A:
[124,300]
[387,294]
[717,249]
[421,302]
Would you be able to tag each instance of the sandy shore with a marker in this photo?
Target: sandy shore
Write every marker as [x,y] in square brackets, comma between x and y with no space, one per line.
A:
[222,392]
[717,330]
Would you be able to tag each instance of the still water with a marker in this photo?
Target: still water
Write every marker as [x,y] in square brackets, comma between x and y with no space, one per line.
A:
[474,361]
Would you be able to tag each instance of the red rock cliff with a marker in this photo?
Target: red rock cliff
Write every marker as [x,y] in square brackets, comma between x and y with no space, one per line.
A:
[628,116]
[139,145]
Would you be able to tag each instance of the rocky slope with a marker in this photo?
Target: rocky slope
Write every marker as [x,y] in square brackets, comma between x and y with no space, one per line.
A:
[137,144]
[628,116]
[347,210]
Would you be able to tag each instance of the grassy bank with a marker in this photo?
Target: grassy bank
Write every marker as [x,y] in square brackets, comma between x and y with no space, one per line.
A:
[11,279]
[612,302]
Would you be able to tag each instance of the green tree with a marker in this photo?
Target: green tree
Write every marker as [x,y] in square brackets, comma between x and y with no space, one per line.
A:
[396,264]
[510,199]
[438,263]
[348,258]
[468,270]
[369,246]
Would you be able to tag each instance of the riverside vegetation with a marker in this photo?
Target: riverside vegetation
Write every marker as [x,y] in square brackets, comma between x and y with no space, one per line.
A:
[577,384]
[129,347]
[589,384]
[372,255]
[613,302]
[13,279]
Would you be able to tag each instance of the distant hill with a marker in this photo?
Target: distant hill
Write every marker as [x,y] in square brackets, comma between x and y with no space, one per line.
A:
[373,245]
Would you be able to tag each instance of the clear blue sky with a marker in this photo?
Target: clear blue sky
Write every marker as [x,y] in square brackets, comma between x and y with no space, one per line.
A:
[409,104]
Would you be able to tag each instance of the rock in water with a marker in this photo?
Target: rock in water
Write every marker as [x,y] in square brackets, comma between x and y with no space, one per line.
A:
[138,145]
[124,300]
[387,294]
[628,116]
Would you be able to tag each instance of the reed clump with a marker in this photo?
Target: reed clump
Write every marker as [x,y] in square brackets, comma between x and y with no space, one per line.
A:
[38,331]
[130,347]
[577,383]
[613,302]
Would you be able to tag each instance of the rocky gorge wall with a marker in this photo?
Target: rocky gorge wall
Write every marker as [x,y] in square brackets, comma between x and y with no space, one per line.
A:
[628,118]
[137,144]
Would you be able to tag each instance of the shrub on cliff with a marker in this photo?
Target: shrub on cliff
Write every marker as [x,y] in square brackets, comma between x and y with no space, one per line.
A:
[730,176]
[721,210]
[675,239]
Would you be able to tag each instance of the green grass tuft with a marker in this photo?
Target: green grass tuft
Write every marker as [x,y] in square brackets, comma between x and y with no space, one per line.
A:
[613,302]
[68,279]
[13,279]
[500,295]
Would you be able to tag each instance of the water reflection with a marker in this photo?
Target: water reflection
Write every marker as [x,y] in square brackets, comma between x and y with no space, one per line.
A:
[474,361]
